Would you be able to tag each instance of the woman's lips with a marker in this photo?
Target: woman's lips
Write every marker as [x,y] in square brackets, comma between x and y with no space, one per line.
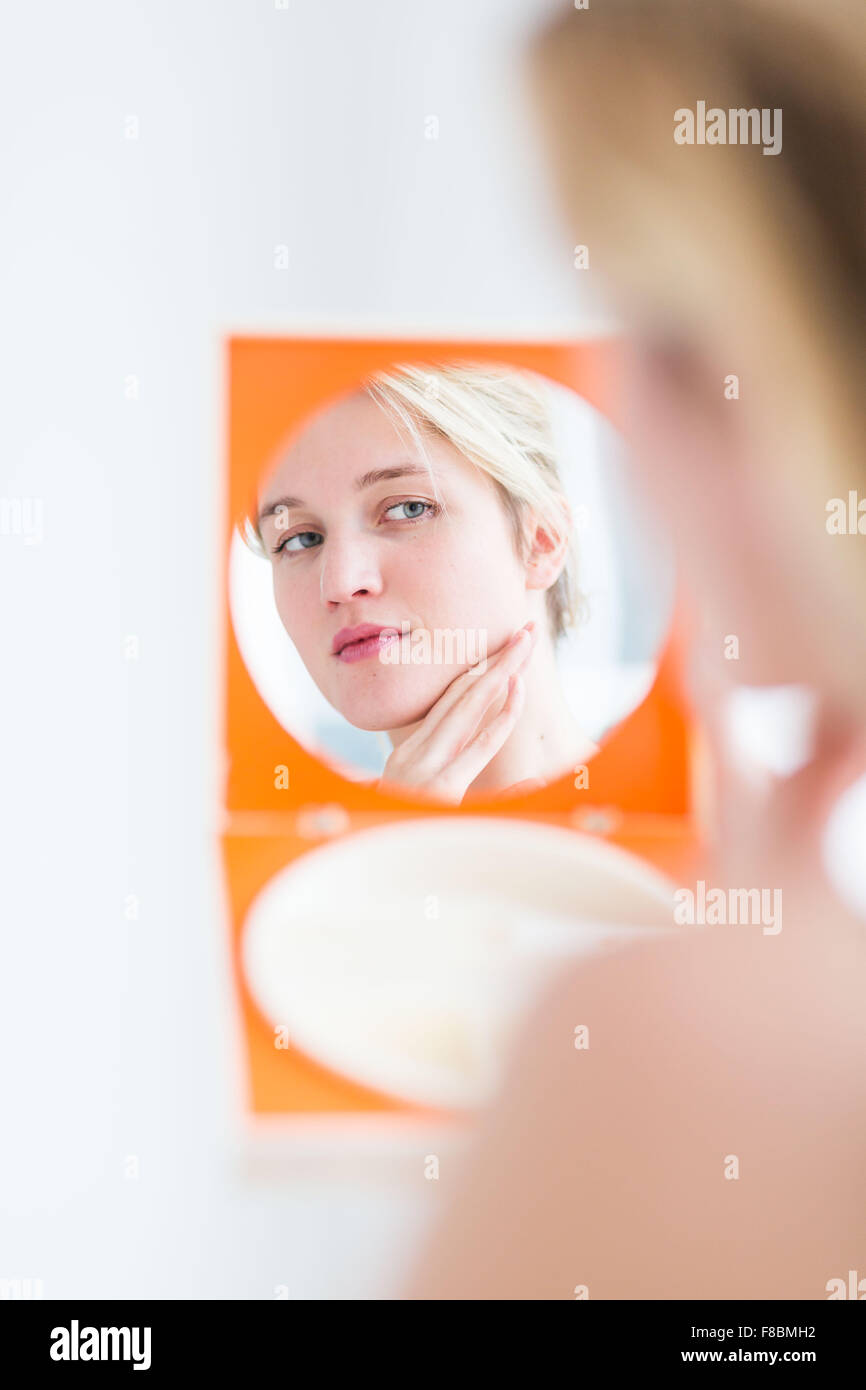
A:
[354,644]
[367,646]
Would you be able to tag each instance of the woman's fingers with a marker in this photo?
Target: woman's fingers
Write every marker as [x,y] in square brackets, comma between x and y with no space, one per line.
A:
[466,727]
[486,742]
[465,682]
[459,724]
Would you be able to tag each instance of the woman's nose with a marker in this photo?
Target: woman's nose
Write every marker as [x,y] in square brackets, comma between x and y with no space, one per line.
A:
[349,570]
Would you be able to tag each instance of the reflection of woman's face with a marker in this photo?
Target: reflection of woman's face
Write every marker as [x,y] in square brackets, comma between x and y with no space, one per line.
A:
[361,539]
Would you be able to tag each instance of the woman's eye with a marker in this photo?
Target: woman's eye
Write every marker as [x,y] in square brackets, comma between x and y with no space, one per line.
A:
[411,511]
[306,540]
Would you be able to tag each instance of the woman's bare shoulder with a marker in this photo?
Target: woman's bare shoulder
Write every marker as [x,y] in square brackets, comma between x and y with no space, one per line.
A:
[685,1118]
[737,991]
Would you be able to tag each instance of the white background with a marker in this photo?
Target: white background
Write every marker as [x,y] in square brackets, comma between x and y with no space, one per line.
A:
[258,127]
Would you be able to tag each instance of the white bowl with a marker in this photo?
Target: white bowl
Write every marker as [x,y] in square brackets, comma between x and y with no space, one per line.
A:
[403,956]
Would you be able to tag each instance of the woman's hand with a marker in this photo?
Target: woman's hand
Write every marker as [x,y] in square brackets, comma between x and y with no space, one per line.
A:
[466,727]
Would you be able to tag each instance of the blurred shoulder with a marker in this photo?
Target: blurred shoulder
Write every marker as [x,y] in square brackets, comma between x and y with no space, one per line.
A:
[686,1118]
[735,978]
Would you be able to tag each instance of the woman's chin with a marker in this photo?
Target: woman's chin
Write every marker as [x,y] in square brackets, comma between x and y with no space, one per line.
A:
[381,710]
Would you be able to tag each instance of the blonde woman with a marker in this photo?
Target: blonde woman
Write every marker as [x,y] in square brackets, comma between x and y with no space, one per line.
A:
[710,1142]
[423,565]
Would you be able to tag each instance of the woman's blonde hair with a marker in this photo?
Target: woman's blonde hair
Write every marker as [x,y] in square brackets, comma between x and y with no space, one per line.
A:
[500,421]
[760,259]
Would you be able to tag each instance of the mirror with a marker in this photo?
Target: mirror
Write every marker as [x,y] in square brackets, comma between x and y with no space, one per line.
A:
[404,534]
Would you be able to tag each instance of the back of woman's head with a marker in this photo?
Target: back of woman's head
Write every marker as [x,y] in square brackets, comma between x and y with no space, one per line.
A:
[746,257]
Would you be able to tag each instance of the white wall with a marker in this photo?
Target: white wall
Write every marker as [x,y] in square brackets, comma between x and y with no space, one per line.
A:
[129,257]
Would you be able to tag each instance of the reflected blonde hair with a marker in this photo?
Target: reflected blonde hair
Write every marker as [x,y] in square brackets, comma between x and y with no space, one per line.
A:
[500,421]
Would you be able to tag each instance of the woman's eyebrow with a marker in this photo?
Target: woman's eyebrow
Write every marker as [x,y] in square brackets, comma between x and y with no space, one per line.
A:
[376,475]
[281,504]
[381,475]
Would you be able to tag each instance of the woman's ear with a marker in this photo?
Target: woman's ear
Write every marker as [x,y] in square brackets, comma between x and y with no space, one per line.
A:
[547,549]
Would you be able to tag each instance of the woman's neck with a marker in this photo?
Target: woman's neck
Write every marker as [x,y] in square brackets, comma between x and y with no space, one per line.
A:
[547,740]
